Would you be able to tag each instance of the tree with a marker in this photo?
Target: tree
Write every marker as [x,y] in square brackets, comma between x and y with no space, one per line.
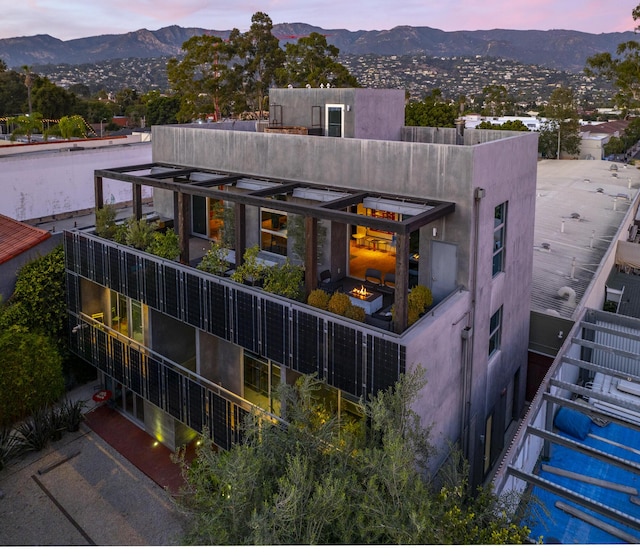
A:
[312,61]
[332,478]
[38,302]
[13,93]
[31,376]
[52,101]
[433,111]
[622,71]
[497,101]
[260,57]
[563,119]
[26,125]
[201,77]
[162,110]
[28,81]
[512,125]
[72,126]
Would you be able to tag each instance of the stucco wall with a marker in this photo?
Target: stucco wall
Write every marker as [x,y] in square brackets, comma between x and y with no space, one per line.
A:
[369,113]
[44,184]
[504,169]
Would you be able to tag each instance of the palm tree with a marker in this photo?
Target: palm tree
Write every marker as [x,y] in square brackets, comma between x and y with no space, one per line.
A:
[28,81]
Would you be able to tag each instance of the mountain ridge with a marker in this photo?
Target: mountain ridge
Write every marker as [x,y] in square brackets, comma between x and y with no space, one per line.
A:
[558,48]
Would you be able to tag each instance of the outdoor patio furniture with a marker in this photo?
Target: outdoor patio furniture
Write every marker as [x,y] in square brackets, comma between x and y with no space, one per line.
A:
[373,275]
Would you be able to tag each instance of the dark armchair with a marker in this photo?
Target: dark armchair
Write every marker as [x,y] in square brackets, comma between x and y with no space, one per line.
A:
[327,284]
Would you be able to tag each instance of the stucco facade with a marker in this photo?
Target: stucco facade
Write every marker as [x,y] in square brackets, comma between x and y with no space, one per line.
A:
[475,256]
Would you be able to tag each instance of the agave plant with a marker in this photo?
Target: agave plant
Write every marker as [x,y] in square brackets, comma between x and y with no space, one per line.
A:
[11,445]
[71,413]
[36,430]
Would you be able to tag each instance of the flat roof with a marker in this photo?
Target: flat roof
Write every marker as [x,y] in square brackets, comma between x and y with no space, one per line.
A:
[580,205]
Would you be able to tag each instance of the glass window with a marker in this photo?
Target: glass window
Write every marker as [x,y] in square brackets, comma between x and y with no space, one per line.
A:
[273,229]
[261,380]
[495,332]
[499,231]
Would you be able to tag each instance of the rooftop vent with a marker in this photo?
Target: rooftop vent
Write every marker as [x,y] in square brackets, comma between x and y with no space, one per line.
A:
[613,167]
[599,190]
[546,246]
[575,215]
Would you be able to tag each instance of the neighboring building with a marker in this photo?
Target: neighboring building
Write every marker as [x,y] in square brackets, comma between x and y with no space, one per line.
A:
[19,243]
[576,453]
[595,135]
[45,182]
[184,351]
[584,215]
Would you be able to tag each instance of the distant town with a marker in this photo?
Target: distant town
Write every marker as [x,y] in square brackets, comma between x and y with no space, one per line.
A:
[529,85]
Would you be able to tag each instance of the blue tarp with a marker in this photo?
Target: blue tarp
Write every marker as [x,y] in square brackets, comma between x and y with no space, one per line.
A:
[557,525]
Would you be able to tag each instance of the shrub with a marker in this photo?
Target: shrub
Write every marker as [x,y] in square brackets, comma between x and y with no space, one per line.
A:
[71,414]
[11,445]
[319,299]
[36,430]
[215,260]
[31,375]
[355,312]
[339,303]
[139,233]
[166,245]
[418,301]
[285,280]
[106,221]
[252,269]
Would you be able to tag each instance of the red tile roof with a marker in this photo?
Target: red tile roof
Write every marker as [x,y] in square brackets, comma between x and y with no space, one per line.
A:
[17,237]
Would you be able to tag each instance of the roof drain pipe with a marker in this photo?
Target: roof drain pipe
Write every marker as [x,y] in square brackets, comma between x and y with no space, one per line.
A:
[467,334]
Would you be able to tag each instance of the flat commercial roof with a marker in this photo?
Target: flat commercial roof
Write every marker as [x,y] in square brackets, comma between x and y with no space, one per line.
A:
[580,205]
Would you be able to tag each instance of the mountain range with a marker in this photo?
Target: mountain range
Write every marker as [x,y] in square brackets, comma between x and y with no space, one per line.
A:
[557,49]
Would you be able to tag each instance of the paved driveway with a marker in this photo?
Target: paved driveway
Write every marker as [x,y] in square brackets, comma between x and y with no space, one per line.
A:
[80,491]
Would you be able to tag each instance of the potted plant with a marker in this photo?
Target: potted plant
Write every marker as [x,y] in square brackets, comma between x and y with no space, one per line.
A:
[215,260]
[252,271]
[285,280]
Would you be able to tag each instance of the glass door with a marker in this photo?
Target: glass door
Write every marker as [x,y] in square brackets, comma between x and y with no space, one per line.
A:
[334,121]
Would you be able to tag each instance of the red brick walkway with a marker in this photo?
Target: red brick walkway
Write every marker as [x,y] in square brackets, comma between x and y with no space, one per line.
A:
[142,450]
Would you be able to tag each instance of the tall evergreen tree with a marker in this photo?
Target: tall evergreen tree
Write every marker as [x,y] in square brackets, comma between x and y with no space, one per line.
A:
[320,478]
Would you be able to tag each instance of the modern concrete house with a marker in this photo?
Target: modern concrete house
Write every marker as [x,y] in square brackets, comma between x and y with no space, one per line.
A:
[183,350]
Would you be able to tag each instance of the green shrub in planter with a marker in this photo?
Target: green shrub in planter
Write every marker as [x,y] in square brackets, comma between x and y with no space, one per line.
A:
[165,245]
[285,280]
[215,260]
[319,299]
[355,313]
[339,303]
[252,270]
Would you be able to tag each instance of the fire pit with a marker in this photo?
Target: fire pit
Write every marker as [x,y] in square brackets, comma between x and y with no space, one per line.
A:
[361,293]
[369,300]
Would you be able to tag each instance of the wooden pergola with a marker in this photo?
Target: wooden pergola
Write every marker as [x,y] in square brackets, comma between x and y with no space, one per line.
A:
[270,195]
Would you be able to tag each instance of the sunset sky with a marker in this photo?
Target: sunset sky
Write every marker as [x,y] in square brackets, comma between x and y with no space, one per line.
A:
[72,19]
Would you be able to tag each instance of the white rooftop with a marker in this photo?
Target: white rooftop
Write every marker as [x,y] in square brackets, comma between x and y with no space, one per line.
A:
[580,205]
